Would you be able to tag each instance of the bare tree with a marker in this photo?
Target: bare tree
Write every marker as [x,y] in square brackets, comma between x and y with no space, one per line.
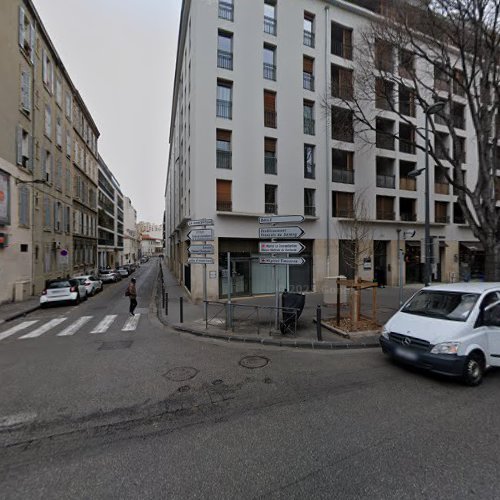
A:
[415,54]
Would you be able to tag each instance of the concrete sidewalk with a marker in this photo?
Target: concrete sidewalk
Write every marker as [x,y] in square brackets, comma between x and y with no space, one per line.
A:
[12,310]
[257,325]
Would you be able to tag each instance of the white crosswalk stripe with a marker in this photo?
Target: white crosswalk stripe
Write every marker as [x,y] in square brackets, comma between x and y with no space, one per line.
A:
[73,328]
[44,328]
[104,324]
[131,324]
[17,328]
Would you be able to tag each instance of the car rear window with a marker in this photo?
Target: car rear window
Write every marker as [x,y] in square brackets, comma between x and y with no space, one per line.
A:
[59,284]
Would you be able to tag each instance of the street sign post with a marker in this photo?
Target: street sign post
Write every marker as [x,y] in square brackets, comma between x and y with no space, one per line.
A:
[281,247]
[280,232]
[201,249]
[201,235]
[201,222]
[200,260]
[280,219]
[287,261]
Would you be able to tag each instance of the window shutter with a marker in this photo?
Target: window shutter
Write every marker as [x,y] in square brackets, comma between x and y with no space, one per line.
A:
[32,43]
[270,145]
[224,135]
[44,66]
[51,168]
[26,91]
[223,191]
[269,101]
[30,153]
[21,26]
[52,77]
[308,65]
[19,145]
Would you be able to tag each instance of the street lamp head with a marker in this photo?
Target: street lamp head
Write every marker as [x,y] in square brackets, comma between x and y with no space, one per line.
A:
[435,108]
[415,172]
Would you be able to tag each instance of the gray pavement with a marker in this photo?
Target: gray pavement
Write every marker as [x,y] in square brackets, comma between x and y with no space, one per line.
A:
[12,310]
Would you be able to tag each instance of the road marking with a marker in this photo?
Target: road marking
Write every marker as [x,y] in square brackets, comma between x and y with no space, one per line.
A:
[72,329]
[16,419]
[104,324]
[17,328]
[44,328]
[131,323]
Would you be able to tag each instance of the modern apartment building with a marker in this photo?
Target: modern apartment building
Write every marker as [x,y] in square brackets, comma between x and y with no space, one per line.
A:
[130,233]
[111,219]
[250,136]
[48,160]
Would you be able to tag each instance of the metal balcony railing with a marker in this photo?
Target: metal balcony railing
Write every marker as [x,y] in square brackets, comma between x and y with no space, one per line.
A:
[346,213]
[271,208]
[386,181]
[270,25]
[308,81]
[270,165]
[224,59]
[224,109]
[343,175]
[407,146]
[224,206]
[309,124]
[408,217]
[458,122]
[269,71]
[270,119]
[226,11]
[310,171]
[224,159]
[407,183]
[384,141]
[385,215]
[309,39]
[341,49]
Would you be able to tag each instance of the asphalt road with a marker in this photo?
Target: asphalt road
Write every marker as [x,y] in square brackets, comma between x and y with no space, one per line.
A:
[157,414]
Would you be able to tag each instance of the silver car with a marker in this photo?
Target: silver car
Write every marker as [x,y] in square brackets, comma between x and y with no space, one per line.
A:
[92,284]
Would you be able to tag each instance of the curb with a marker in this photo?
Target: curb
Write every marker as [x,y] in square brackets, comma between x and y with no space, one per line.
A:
[19,314]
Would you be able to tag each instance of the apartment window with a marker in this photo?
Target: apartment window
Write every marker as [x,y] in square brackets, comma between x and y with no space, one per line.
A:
[57,216]
[59,132]
[406,66]
[408,209]
[270,157]
[385,173]
[441,145]
[309,122]
[407,142]
[342,166]
[68,182]
[459,154]
[342,124]
[24,144]
[69,106]
[458,214]
[47,166]
[68,144]
[309,163]
[224,154]
[441,79]
[269,62]
[385,208]
[47,71]
[384,57]
[59,92]
[225,50]
[26,35]
[48,122]
[24,206]
[441,212]
[67,219]
[458,83]
[226,10]
[308,73]
[224,99]
[270,22]
[405,182]
[270,117]
[342,204]
[458,115]
[384,94]
[271,199]
[224,200]
[310,202]
[441,184]
[309,37]
[342,83]
[341,41]
[406,101]
[26,91]
[46,212]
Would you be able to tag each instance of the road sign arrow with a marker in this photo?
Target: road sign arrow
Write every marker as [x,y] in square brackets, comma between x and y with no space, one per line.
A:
[201,249]
[280,219]
[281,247]
[200,260]
[201,222]
[289,261]
[280,232]
[201,235]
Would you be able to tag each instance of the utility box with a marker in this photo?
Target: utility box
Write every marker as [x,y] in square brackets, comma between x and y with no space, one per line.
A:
[330,290]
[22,290]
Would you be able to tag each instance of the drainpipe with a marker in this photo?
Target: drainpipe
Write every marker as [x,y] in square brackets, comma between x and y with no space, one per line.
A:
[327,144]
[33,166]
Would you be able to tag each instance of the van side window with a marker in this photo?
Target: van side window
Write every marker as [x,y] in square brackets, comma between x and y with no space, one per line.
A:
[492,316]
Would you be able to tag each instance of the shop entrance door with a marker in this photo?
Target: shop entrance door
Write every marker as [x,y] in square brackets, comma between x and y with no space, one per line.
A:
[380,262]
[413,263]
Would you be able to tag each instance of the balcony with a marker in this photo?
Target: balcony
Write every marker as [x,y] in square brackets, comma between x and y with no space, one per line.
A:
[226,11]
[407,147]
[224,206]
[269,71]
[385,215]
[308,81]
[224,159]
[442,219]
[224,109]
[408,183]
[408,217]
[341,49]
[458,122]
[310,211]
[271,208]
[384,141]
[441,188]
[224,60]
[270,165]
[386,181]
[270,26]
[309,39]
[270,119]
[343,175]
[309,126]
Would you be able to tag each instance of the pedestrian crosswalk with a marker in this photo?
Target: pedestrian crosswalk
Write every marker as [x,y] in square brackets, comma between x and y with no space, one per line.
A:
[70,326]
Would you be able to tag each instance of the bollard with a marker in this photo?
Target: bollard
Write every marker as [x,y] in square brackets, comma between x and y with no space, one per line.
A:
[181,309]
[162,297]
[166,304]
[318,323]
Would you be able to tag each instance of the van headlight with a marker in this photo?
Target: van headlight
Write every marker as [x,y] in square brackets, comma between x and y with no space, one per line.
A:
[446,348]
[385,332]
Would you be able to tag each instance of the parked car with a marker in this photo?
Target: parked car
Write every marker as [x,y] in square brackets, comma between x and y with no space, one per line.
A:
[123,271]
[63,290]
[451,329]
[107,276]
[92,284]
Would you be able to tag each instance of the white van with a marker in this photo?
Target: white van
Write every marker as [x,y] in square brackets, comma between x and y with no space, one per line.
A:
[451,329]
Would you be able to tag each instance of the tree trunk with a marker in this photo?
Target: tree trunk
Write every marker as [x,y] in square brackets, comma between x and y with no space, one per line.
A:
[492,262]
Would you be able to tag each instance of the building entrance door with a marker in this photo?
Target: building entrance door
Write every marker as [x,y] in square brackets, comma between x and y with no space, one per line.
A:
[380,262]
[413,262]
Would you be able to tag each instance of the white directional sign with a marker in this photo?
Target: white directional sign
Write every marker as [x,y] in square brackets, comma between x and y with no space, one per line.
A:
[279,219]
[201,222]
[289,261]
[200,260]
[201,249]
[281,247]
[201,235]
[280,232]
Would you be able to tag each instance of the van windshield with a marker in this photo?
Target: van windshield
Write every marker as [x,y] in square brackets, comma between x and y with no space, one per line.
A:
[455,306]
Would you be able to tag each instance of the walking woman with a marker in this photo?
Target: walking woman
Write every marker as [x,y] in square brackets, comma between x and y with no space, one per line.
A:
[131,293]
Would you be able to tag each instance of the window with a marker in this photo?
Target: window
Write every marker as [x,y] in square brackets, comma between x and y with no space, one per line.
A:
[309,122]
[269,62]
[308,73]
[68,144]
[458,214]
[59,175]
[270,199]
[59,132]
[270,158]
[24,247]
[458,82]
[341,41]
[26,35]
[224,99]
[24,145]
[224,155]
[441,184]
[384,94]
[384,60]
[270,23]
[68,181]
[47,166]
[24,206]
[69,106]
[458,115]
[385,173]
[48,122]
[385,208]
[47,72]
[406,101]
[342,204]
[441,79]
[57,216]
[226,10]
[26,91]
[441,145]
[441,212]
[342,166]
[46,211]
[342,124]
[408,209]
[225,50]
[309,38]
[270,109]
[309,164]
[407,138]
[67,219]
[406,67]
[342,83]
[309,202]
[59,92]
[459,154]
[405,182]
[224,200]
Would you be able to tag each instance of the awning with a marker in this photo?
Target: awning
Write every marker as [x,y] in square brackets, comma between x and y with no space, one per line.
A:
[412,243]
[473,246]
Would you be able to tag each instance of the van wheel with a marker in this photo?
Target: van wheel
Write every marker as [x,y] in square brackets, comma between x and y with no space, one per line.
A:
[474,369]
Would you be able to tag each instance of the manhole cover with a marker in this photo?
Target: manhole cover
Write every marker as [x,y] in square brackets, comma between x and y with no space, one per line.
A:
[119,344]
[253,362]
[181,373]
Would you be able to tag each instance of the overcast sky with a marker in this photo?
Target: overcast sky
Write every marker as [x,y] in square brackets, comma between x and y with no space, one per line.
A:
[120,55]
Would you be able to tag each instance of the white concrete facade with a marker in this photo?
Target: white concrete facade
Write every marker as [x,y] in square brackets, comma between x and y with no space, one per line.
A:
[130,234]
